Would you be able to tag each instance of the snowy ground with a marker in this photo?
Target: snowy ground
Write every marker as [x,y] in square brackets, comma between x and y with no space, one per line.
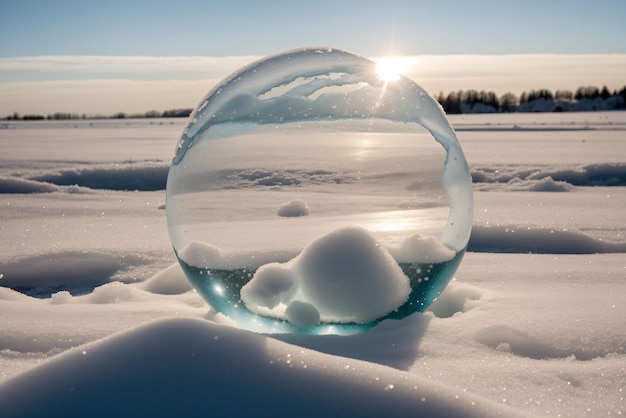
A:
[96,316]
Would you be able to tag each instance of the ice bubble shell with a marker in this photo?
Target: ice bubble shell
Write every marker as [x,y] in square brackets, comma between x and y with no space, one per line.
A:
[308,193]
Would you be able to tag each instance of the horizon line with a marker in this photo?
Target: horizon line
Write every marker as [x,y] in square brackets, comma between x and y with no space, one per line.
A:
[95,83]
[178,112]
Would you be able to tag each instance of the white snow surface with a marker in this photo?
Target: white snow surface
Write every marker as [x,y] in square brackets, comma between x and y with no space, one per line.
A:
[97,318]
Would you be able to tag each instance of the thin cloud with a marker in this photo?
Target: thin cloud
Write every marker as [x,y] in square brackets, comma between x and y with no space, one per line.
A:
[108,84]
[137,67]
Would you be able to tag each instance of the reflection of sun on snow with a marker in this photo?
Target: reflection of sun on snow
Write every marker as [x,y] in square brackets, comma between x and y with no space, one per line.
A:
[392,225]
[390,68]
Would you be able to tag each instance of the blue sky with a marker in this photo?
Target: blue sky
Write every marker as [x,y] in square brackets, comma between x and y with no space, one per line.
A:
[57,53]
[235,27]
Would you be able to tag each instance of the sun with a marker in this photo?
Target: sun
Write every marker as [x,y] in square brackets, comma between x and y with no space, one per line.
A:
[390,69]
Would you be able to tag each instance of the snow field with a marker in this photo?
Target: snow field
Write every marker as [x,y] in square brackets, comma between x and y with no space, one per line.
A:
[92,301]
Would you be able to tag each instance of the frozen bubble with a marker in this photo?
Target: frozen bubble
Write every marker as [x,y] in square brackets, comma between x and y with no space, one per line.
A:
[368,149]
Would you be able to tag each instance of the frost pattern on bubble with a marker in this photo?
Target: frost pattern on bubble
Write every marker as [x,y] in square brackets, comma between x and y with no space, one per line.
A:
[307,194]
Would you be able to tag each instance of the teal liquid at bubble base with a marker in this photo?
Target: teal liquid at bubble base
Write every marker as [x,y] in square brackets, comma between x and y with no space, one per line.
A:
[221,288]
[303,89]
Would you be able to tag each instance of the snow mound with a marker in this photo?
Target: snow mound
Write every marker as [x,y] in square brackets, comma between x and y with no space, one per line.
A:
[7,294]
[187,367]
[547,184]
[113,292]
[508,239]
[259,177]
[272,284]
[293,208]
[23,186]
[170,281]
[302,314]
[424,249]
[544,178]
[455,299]
[200,254]
[350,278]
[60,298]
[345,276]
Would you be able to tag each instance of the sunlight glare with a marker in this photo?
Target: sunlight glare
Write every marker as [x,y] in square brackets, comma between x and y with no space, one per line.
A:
[390,68]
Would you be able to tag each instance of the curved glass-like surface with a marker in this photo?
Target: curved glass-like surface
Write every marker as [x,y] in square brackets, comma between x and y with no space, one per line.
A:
[308,193]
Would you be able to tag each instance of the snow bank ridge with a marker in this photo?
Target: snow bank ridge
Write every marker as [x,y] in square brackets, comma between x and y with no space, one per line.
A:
[73,271]
[119,177]
[151,177]
[509,239]
[542,178]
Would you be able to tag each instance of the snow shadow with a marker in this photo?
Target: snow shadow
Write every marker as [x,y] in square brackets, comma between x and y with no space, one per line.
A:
[76,272]
[119,177]
[16,185]
[503,239]
[548,178]
[508,339]
[393,343]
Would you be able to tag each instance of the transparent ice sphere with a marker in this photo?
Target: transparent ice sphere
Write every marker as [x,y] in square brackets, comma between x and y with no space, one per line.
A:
[312,193]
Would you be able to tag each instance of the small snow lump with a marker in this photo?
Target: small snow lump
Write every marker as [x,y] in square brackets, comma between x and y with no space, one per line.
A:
[293,209]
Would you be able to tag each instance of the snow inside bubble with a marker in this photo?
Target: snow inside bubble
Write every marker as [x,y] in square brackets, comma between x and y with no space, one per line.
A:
[272,284]
[200,254]
[302,314]
[346,276]
[320,128]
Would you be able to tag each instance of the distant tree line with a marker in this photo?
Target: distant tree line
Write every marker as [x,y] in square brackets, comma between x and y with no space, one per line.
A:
[542,100]
[587,98]
[174,113]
